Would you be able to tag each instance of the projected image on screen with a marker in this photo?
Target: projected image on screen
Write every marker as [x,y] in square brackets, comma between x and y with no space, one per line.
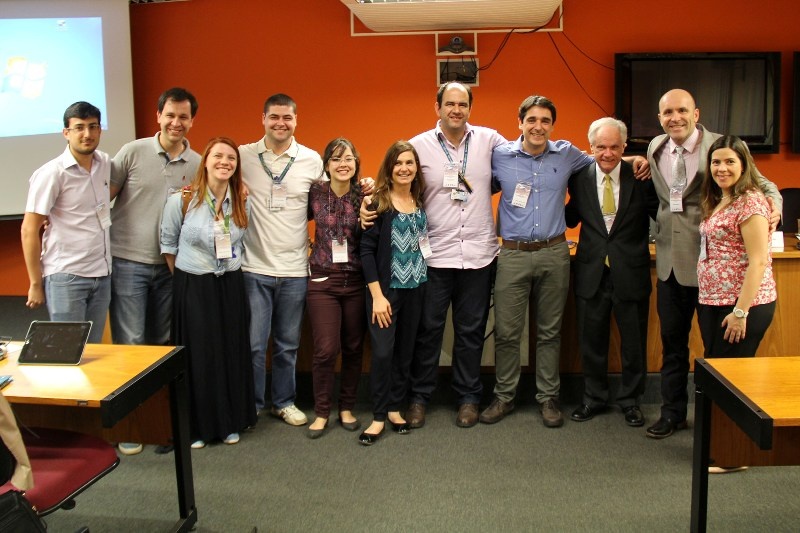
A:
[46,65]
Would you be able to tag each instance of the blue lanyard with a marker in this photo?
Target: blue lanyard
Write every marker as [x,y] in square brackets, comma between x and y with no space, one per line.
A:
[462,175]
[269,172]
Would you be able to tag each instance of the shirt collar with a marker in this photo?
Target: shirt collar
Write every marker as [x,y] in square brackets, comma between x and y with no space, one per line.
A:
[600,175]
[689,144]
[160,149]
[68,160]
[517,147]
[292,151]
[440,133]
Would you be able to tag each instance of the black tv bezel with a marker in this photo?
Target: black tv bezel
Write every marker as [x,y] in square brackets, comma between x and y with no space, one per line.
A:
[769,144]
[796,102]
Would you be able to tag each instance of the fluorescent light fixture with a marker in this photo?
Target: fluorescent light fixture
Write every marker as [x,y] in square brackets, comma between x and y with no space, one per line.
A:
[439,15]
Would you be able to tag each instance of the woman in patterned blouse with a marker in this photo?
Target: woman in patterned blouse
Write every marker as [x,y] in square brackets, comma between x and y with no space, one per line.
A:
[736,288]
[393,253]
[335,297]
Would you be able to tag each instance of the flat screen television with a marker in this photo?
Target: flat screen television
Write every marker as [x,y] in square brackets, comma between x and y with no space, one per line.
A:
[737,93]
[796,104]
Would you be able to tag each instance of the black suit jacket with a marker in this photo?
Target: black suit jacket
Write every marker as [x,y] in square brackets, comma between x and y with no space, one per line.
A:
[626,245]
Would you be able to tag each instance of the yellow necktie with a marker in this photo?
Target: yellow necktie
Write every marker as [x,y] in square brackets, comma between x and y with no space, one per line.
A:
[609,208]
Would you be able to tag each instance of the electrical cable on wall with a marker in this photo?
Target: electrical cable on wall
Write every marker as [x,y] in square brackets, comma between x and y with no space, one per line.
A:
[507,36]
[575,77]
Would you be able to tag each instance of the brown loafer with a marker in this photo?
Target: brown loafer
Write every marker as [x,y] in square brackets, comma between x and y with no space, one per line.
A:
[496,411]
[467,415]
[551,413]
[415,415]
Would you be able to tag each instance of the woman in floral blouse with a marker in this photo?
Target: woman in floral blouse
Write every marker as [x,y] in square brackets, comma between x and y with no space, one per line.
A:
[736,288]
[335,297]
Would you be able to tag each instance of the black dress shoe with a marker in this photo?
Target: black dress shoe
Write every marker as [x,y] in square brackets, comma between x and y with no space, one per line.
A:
[403,428]
[633,416]
[164,448]
[368,439]
[350,426]
[584,413]
[664,428]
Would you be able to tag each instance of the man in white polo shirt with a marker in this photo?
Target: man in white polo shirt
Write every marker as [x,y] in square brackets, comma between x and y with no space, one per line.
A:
[70,266]
[278,173]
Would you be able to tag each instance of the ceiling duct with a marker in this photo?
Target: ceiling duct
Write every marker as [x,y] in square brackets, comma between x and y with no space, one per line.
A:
[385,16]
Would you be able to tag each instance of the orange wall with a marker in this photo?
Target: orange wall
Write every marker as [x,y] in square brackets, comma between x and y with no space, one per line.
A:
[379,89]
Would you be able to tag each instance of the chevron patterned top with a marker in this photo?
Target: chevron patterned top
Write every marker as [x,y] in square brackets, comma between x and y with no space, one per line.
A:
[408,266]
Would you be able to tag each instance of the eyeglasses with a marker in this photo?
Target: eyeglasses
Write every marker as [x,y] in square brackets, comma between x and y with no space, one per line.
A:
[81,128]
[337,160]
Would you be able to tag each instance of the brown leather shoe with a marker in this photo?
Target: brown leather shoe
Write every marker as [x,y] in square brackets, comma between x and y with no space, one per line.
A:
[551,414]
[467,415]
[415,415]
[496,411]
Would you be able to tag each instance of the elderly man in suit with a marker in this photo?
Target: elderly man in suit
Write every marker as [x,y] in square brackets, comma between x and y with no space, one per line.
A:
[612,269]
[678,164]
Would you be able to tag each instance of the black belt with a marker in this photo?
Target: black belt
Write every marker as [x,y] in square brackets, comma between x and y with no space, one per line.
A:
[533,246]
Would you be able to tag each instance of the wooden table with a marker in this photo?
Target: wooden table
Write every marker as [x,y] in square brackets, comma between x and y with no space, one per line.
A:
[761,395]
[111,382]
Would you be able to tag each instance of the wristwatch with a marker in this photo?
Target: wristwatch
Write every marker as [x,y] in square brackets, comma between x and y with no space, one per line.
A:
[740,313]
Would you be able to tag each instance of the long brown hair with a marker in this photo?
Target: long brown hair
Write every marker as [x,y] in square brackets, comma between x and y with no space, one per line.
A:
[200,183]
[710,192]
[383,185]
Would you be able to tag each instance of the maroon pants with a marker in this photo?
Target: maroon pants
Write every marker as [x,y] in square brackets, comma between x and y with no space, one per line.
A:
[336,309]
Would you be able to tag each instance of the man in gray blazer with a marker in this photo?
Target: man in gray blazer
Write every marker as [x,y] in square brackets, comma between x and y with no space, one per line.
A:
[678,165]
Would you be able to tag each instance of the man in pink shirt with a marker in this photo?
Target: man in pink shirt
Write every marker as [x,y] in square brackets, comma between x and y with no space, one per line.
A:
[456,159]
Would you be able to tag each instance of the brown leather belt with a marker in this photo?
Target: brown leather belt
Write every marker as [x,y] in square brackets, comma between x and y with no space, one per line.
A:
[533,246]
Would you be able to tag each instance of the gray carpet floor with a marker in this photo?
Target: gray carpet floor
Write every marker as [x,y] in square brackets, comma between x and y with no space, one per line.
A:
[514,476]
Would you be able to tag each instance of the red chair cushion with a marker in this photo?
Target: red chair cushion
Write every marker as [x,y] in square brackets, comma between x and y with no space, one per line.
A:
[64,463]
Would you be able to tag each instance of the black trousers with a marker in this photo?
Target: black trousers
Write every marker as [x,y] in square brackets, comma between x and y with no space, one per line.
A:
[710,319]
[594,328]
[392,349]
[676,306]
[469,291]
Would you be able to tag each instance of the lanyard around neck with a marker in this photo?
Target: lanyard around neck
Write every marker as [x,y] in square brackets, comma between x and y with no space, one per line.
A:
[269,172]
[450,158]
[227,217]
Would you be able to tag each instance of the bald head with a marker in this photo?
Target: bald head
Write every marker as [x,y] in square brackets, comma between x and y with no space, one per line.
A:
[678,114]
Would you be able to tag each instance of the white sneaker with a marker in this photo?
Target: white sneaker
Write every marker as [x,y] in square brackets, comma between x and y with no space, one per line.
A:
[130,448]
[725,469]
[196,445]
[291,415]
[233,438]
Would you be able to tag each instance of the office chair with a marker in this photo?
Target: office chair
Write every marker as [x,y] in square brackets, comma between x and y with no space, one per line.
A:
[64,464]
[791,209]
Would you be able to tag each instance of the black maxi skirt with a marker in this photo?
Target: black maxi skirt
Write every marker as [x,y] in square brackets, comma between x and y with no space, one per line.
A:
[211,319]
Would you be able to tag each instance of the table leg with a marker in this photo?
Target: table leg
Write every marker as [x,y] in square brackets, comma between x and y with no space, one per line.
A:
[179,408]
[702,441]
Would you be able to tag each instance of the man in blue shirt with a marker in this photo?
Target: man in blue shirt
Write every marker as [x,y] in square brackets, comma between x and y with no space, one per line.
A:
[532,173]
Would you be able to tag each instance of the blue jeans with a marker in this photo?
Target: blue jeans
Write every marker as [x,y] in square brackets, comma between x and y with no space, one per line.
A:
[276,306]
[75,298]
[141,303]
